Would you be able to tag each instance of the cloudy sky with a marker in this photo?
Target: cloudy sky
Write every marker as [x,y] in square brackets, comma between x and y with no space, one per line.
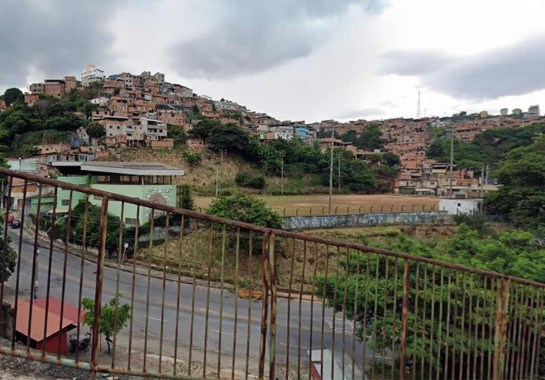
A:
[294,59]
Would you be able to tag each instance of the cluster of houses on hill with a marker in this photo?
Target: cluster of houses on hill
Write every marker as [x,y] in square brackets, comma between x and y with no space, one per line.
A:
[137,110]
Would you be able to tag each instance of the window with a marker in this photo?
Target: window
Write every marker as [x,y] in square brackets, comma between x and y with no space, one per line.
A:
[97,198]
[65,202]
[131,221]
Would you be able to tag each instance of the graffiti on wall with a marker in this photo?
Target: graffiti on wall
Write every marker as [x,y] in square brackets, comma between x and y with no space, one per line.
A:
[364,220]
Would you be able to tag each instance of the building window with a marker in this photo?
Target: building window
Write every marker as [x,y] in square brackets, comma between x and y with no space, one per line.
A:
[65,202]
[131,221]
[97,198]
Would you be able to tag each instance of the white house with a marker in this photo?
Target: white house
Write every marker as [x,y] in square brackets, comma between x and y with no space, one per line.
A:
[460,206]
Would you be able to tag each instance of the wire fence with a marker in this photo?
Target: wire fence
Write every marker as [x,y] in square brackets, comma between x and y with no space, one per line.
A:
[216,298]
[348,210]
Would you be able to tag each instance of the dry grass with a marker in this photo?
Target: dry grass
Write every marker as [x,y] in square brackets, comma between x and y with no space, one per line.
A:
[209,254]
[316,204]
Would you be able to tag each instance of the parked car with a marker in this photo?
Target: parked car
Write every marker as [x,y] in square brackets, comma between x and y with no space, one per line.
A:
[16,224]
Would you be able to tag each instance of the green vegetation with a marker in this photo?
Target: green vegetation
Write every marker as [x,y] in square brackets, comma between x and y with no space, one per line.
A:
[8,259]
[12,95]
[47,114]
[176,133]
[95,130]
[522,196]
[512,252]
[245,179]
[246,209]
[113,317]
[489,147]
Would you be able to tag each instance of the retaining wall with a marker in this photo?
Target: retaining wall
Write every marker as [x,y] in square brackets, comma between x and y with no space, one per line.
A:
[362,220]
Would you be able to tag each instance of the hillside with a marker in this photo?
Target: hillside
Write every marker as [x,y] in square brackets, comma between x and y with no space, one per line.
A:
[202,176]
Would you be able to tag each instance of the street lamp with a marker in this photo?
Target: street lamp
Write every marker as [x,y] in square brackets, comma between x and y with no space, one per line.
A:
[56,221]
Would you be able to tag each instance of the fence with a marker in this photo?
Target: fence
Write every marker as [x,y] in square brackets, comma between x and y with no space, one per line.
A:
[229,299]
[350,210]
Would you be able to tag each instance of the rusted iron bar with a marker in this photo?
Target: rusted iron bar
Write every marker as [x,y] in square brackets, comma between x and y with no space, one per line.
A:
[404,320]
[98,286]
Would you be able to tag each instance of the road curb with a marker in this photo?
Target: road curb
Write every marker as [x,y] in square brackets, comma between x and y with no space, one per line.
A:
[154,271]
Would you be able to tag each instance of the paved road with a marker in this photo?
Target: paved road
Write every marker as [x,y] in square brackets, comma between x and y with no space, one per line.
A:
[201,312]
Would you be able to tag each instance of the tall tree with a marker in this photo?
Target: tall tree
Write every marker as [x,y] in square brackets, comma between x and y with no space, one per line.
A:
[12,95]
[522,196]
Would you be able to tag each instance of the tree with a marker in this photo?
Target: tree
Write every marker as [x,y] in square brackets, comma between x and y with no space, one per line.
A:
[203,129]
[366,277]
[12,95]
[113,317]
[8,259]
[95,130]
[370,139]
[354,174]
[229,137]
[390,159]
[245,208]
[177,133]
[522,196]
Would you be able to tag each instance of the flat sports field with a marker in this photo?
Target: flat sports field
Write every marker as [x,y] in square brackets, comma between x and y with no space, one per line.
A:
[342,204]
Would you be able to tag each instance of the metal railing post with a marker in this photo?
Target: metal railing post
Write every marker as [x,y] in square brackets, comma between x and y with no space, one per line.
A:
[98,286]
[500,332]
[264,303]
[272,332]
[404,320]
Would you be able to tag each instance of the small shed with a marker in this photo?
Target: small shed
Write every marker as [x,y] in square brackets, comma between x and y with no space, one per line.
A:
[52,337]
[460,206]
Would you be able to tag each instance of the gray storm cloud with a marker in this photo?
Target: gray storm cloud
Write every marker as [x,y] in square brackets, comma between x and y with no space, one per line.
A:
[56,37]
[253,36]
[509,71]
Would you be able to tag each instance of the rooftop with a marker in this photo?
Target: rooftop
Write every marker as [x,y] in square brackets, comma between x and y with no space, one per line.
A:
[123,168]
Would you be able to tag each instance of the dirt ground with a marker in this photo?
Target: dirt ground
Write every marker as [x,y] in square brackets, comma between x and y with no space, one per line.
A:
[341,204]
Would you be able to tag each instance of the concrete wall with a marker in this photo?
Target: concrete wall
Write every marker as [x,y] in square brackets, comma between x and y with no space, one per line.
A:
[362,220]
[165,194]
[460,206]
[63,195]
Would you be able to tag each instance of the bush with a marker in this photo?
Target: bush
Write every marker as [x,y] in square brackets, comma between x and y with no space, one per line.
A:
[192,158]
[245,179]
[245,208]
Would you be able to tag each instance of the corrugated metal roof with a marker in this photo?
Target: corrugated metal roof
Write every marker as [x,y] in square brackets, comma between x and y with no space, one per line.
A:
[54,322]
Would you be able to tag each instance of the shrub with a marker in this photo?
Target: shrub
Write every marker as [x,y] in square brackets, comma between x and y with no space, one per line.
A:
[245,179]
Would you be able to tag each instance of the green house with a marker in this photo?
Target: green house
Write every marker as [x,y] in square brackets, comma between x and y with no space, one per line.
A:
[150,181]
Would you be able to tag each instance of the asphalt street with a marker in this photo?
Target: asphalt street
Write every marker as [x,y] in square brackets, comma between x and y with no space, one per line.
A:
[203,313]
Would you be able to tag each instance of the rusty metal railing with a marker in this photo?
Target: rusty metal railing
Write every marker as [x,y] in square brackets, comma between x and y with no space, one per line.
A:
[215,298]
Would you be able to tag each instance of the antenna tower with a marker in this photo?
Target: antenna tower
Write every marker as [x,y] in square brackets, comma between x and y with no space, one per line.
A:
[418,113]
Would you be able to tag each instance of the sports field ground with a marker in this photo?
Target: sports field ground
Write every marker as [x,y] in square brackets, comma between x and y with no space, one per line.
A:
[342,204]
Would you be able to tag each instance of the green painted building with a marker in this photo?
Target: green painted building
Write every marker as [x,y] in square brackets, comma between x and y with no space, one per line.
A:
[143,180]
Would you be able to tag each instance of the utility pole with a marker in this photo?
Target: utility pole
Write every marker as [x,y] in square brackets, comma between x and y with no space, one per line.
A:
[451,158]
[339,172]
[331,171]
[487,173]
[222,151]
[282,172]
[482,181]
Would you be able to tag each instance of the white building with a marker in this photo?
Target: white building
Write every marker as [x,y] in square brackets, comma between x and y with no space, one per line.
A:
[460,206]
[154,129]
[533,110]
[101,101]
[91,74]
[284,132]
[225,105]
[504,111]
